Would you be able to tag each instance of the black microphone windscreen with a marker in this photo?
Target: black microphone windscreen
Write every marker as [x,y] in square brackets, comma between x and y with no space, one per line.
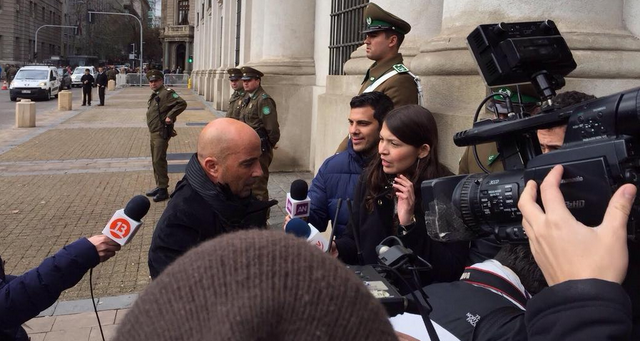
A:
[299,190]
[298,228]
[137,207]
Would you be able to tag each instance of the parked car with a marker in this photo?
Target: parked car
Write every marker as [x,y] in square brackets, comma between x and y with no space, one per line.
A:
[37,81]
[65,78]
[78,72]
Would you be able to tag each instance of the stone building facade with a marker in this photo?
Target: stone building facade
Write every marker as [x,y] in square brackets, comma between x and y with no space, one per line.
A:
[177,22]
[289,41]
[20,20]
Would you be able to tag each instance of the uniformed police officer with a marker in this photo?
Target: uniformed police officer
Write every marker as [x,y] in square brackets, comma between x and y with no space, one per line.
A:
[235,101]
[164,106]
[488,153]
[384,33]
[259,111]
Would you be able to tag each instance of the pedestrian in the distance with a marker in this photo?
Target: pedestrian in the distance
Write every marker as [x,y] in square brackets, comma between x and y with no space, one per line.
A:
[87,83]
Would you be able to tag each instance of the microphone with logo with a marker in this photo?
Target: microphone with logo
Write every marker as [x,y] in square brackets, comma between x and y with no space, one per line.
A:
[126,222]
[298,203]
[302,229]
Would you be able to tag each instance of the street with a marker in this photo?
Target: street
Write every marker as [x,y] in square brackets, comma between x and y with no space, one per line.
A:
[8,108]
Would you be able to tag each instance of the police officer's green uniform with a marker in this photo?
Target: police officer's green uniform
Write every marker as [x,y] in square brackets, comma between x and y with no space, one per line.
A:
[235,101]
[163,103]
[390,76]
[259,112]
[488,153]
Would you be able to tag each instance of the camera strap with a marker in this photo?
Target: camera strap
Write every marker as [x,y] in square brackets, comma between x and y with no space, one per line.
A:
[494,282]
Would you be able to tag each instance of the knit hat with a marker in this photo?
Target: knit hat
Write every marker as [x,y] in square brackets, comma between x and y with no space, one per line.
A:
[256,285]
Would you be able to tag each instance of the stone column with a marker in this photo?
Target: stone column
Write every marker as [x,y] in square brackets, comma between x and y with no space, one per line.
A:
[187,65]
[281,45]
[165,58]
[607,54]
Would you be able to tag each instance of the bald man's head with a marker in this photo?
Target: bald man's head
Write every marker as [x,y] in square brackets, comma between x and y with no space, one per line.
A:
[229,152]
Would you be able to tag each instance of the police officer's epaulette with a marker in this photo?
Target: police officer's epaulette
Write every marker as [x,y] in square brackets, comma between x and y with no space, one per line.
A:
[400,68]
[265,96]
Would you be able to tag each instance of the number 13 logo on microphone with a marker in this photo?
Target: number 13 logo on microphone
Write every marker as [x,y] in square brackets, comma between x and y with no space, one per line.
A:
[120,228]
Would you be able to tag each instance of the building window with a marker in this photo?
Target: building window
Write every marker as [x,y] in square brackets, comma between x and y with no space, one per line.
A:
[346,25]
[183,12]
[238,17]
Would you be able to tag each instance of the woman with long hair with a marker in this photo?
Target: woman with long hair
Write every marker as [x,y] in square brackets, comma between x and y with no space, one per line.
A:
[387,200]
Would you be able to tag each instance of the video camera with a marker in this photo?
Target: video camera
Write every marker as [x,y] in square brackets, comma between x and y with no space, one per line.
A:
[599,153]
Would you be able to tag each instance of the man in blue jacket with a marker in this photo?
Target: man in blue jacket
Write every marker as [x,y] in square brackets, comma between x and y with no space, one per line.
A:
[24,297]
[339,173]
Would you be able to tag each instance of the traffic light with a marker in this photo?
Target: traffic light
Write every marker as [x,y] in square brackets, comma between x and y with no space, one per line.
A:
[89,17]
[190,59]
[35,56]
[77,30]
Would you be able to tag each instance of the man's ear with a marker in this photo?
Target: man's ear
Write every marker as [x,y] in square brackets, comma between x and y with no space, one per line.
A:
[393,41]
[212,167]
[424,150]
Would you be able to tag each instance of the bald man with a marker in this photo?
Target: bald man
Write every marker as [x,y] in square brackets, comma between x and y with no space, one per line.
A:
[214,196]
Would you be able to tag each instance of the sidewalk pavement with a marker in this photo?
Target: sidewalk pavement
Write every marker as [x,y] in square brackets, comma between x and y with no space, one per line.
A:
[64,179]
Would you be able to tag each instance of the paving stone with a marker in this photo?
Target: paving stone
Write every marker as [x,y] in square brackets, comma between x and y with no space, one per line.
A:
[75,334]
[37,337]
[120,314]
[39,325]
[84,320]
[74,307]
[116,302]
[109,333]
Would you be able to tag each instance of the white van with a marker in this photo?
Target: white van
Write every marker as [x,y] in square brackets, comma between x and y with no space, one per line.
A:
[78,72]
[36,81]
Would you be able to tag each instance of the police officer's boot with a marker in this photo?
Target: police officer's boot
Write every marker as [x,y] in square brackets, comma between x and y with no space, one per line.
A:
[153,192]
[162,195]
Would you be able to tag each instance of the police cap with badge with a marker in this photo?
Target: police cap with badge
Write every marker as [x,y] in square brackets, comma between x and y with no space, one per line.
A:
[155,75]
[250,73]
[524,97]
[378,19]
[234,74]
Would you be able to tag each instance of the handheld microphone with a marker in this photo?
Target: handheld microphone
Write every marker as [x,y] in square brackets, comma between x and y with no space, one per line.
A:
[300,228]
[125,223]
[298,203]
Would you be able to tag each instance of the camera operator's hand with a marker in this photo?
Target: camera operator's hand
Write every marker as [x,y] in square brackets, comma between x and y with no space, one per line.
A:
[564,248]
[105,246]
[406,199]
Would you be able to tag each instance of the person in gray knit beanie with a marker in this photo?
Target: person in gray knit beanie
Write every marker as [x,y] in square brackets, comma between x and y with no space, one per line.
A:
[256,285]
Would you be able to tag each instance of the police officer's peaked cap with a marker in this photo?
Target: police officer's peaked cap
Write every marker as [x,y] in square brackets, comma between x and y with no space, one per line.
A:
[378,19]
[154,75]
[249,73]
[234,74]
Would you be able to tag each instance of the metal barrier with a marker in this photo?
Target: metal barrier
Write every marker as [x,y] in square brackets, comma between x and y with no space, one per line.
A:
[134,79]
[174,80]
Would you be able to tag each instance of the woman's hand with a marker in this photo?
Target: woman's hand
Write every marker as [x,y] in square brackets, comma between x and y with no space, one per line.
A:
[406,199]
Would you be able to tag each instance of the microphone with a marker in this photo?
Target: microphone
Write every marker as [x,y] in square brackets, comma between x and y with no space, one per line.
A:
[302,229]
[298,202]
[125,223]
